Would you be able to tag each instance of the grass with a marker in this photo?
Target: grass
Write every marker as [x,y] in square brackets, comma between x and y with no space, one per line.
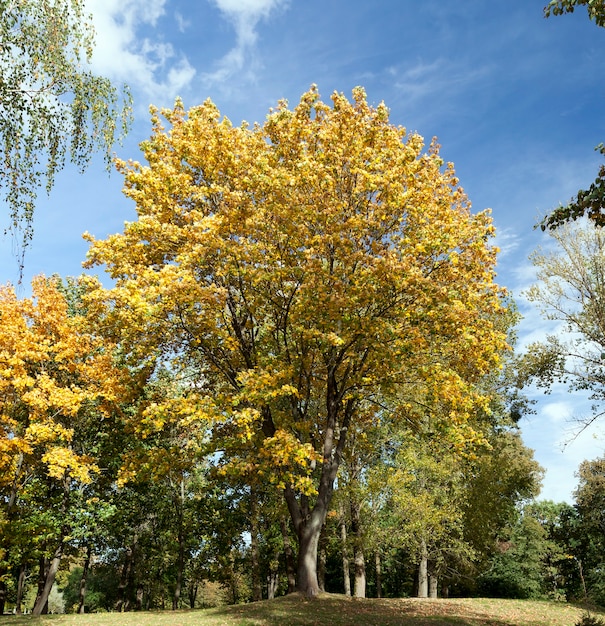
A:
[335,610]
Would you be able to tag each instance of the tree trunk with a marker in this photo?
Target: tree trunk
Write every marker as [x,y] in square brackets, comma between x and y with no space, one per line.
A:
[42,571]
[82,590]
[423,577]
[308,521]
[306,570]
[233,583]
[20,590]
[289,555]
[360,573]
[257,589]
[179,504]
[272,582]
[2,592]
[176,598]
[192,593]
[433,584]
[378,564]
[358,555]
[345,555]
[139,597]
[124,576]
[41,606]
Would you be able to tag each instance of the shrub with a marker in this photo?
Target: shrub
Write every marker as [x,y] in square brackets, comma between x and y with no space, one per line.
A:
[590,620]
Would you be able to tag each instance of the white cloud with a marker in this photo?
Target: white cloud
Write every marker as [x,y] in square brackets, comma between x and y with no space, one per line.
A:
[438,76]
[182,23]
[507,240]
[557,412]
[149,65]
[244,15]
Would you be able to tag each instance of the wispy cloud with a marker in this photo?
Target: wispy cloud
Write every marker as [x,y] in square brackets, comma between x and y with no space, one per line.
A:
[147,64]
[244,15]
[437,76]
[507,241]
[182,23]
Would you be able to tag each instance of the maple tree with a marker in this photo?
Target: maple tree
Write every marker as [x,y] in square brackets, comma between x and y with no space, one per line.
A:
[55,376]
[309,274]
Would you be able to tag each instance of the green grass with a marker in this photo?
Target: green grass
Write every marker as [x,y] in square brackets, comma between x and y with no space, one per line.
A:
[335,610]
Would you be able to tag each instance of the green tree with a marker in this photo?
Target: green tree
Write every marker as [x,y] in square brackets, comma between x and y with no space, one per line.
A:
[518,570]
[52,106]
[533,558]
[590,527]
[502,477]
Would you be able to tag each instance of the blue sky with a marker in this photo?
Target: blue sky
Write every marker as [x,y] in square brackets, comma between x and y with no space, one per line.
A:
[515,100]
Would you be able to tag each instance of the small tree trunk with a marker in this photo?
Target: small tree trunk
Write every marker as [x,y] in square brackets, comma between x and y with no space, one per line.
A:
[124,576]
[233,582]
[378,564]
[42,571]
[433,583]
[180,568]
[192,593]
[272,581]
[445,590]
[360,573]
[289,555]
[82,590]
[140,594]
[423,577]
[20,589]
[257,589]
[179,505]
[2,592]
[358,555]
[345,555]
[176,598]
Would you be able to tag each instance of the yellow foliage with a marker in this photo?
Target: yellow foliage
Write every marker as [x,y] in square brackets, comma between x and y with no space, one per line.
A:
[53,369]
[317,270]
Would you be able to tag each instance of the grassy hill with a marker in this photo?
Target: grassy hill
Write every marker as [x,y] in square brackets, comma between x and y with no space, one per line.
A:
[335,610]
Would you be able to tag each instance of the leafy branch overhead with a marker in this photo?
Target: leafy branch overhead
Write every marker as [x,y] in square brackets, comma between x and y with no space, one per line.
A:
[53,108]
[588,202]
[595,8]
